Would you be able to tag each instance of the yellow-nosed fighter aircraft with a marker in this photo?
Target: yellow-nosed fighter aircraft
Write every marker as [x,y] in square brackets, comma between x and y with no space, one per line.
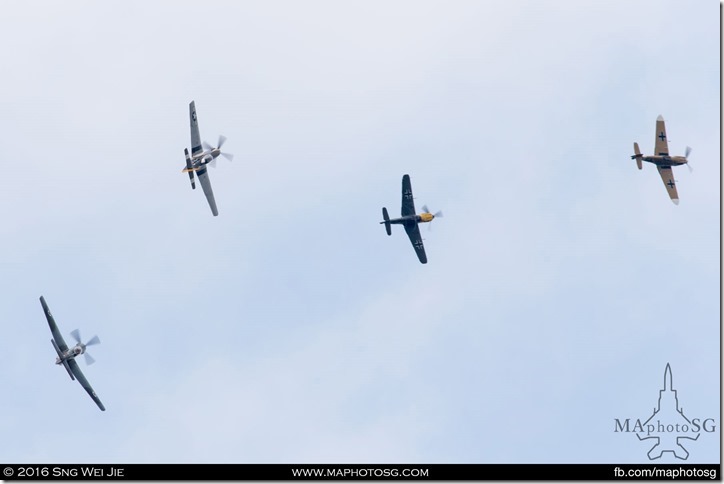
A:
[410,220]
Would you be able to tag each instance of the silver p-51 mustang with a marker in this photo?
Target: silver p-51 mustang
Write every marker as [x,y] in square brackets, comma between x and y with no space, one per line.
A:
[66,356]
[202,154]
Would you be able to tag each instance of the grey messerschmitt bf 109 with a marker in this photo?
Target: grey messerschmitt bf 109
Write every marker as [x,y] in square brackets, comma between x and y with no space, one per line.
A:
[66,356]
[663,160]
[409,219]
[202,154]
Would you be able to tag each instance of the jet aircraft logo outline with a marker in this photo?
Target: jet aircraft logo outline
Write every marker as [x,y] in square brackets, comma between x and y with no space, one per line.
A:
[667,441]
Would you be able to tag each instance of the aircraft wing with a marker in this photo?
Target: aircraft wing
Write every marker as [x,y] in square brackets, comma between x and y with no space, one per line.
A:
[195,136]
[413,232]
[84,383]
[667,175]
[53,327]
[408,203]
[662,143]
[203,177]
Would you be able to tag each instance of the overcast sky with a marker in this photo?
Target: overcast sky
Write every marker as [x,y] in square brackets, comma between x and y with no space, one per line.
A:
[291,328]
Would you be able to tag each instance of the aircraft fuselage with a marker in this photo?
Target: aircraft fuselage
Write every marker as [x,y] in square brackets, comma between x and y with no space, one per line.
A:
[665,160]
[205,157]
[77,350]
[412,219]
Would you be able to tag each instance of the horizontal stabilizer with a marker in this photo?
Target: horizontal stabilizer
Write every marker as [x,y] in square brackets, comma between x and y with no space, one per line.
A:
[67,368]
[60,356]
[386,218]
[637,156]
[189,170]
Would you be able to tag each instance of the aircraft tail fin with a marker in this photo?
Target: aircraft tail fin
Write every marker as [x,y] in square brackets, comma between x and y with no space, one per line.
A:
[386,216]
[637,156]
[189,169]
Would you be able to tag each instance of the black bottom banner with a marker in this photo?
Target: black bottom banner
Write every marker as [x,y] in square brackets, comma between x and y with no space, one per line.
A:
[373,472]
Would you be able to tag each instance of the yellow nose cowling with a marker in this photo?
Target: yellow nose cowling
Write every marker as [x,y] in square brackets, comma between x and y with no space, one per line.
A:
[426,217]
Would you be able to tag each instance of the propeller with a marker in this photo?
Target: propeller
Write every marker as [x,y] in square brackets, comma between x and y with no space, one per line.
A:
[434,216]
[93,341]
[76,335]
[686,155]
[217,151]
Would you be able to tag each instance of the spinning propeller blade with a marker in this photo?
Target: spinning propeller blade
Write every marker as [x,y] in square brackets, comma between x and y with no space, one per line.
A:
[686,155]
[93,341]
[208,147]
[434,216]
